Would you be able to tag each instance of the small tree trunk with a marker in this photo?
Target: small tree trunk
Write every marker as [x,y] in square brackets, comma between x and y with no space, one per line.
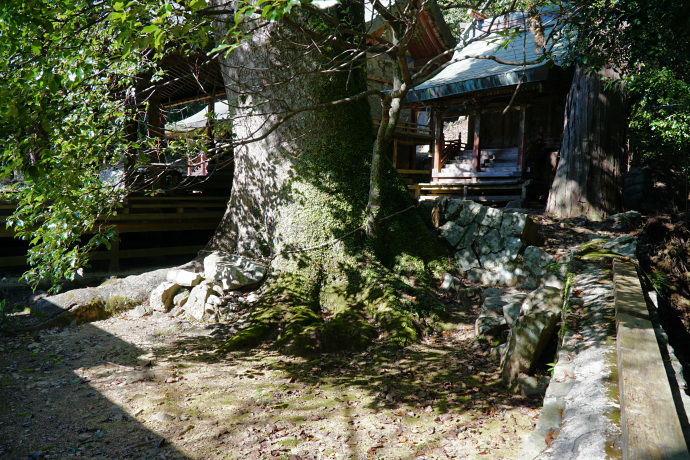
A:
[593,151]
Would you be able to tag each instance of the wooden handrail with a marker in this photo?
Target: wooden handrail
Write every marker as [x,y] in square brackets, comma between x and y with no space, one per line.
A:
[450,149]
[408,127]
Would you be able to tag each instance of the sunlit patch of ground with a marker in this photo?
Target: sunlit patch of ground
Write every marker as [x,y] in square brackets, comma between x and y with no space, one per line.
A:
[152,388]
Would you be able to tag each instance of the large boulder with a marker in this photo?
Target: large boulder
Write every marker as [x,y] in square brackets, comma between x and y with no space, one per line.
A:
[89,304]
[532,331]
[232,271]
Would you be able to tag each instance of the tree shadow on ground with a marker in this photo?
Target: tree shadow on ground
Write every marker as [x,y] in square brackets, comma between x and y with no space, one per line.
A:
[449,381]
[49,409]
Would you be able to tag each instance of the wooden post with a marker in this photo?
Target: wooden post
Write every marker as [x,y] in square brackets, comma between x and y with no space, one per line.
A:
[521,138]
[395,153]
[476,152]
[438,141]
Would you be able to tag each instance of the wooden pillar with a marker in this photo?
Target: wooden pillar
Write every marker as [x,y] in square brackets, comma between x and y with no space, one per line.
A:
[156,128]
[438,140]
[475,148]
[521,137]
[395,153]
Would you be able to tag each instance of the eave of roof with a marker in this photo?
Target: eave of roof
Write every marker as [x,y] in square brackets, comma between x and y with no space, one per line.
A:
[471,74]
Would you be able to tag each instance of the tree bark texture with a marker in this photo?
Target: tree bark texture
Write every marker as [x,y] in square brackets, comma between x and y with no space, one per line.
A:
[299,198]
[305,182]
[593,149]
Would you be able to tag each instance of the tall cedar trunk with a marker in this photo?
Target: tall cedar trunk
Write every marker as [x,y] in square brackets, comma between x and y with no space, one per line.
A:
[304,186]
[593,151]
[305,183]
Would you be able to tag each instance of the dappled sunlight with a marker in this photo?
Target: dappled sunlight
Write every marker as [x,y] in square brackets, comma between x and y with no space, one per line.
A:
[441,397]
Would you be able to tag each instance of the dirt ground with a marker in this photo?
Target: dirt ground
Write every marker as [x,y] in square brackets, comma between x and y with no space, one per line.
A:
[153,388]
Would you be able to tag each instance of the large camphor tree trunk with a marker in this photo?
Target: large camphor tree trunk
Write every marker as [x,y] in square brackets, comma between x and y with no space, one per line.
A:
[593,149]
[298,194]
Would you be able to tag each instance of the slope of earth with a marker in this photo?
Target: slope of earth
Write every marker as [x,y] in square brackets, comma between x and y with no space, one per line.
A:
[664,253]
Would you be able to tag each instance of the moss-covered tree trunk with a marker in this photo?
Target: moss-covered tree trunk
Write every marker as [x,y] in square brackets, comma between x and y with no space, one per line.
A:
[300,192]
[593,151]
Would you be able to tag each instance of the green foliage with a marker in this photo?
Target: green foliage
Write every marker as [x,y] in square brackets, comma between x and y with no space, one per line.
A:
[65,99]
[658,280]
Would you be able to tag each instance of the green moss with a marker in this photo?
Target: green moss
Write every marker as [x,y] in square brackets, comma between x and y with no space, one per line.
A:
[117,304]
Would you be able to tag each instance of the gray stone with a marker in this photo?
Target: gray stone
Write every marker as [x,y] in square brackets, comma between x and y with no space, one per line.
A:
[495,262]
[536,260]
[489,325]
[466,260]
[181,298]
[489,217]
[232,271]
[512,246]
[544,298]
[78,304]
[184,278]
[177,310]
[513,224]
[492,292]
[468,213]
[493,306]
[536,324]
[453,209]
[451,283]
[624,245]
[511,312]
[490,242]
[500,277]
[162,297]
[451,232]
[139,311]
[626,220]
[162,417]
[470,235]
[517,224]
[214,300]
[530,385]
[528,284]
[553,280]
[196,304]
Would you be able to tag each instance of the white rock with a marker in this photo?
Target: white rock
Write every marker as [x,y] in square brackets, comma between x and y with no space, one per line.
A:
[232,271]
[181,298]
[161,298]
[196,304]
[214,300]
[139,311]
[184,277]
